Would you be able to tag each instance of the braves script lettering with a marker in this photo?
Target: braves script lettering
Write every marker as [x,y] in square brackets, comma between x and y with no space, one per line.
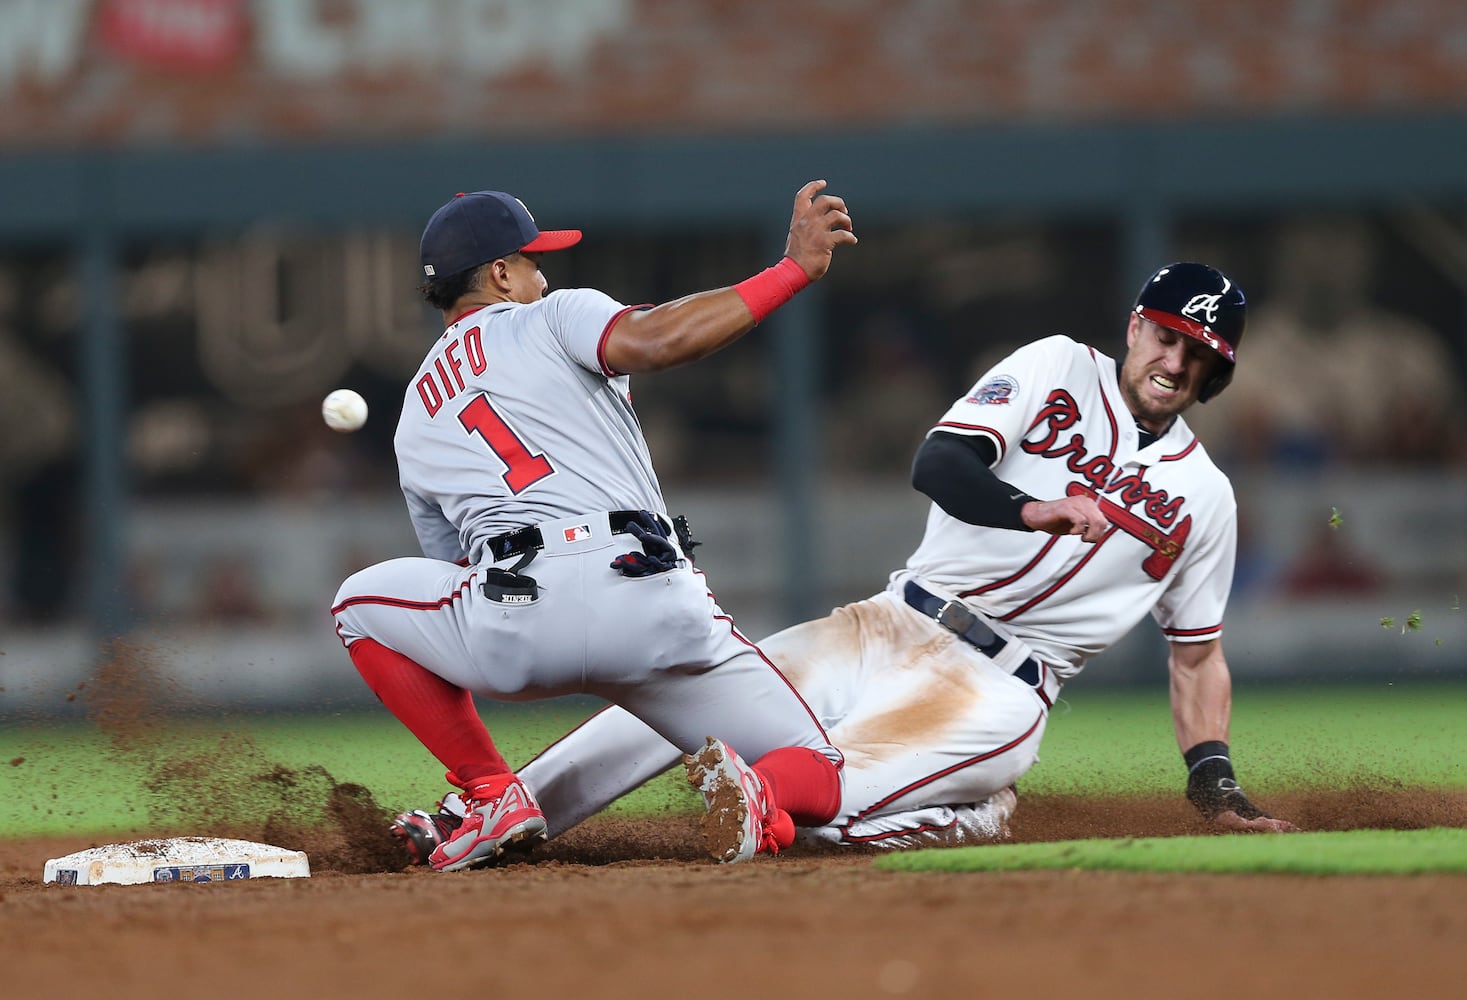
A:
[1060,413]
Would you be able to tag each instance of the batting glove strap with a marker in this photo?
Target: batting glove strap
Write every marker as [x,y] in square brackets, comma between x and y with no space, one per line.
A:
[658,555]
[1211,785]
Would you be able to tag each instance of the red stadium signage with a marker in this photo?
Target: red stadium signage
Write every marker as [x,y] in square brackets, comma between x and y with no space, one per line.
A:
[185,34]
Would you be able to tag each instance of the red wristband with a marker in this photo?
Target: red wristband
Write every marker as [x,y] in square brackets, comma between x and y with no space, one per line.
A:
[772,287]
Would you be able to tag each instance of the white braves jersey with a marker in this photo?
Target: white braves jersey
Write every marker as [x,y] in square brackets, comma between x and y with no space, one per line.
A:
[514,419]
[1055,412]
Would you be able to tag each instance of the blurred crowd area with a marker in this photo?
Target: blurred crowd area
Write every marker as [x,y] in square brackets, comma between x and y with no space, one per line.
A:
[212,70]
[1354,357]
[1354,360]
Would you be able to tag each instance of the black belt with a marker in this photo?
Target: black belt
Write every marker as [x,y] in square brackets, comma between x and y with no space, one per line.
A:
[959,619]
[522,540]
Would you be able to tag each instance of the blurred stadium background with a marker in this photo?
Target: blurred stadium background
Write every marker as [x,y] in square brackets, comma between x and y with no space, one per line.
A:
[209,212]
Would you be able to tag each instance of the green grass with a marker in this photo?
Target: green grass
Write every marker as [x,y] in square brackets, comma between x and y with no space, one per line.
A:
[74,778]
[1357,852]
[1282,737]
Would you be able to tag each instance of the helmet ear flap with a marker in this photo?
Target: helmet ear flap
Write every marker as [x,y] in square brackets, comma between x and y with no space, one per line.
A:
[1217,381]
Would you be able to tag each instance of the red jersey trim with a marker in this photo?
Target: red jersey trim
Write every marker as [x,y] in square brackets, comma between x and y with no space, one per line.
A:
[465,315]
[1003,446]
[1193,633]
[606,369]
[1183,453]
[1050,591]
[1115,430]
[1043,551]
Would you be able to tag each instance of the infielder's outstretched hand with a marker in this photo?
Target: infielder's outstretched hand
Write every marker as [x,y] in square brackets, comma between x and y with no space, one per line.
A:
[819,224]
[1071,516]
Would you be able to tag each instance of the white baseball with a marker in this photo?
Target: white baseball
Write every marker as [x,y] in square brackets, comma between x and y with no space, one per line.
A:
[344,410]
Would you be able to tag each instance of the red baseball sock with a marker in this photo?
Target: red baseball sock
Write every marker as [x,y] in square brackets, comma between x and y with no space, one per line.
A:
[491,787]
[441,715]
[802,782]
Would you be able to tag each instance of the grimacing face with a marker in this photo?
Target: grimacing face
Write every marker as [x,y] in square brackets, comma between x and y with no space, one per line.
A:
[1163,372]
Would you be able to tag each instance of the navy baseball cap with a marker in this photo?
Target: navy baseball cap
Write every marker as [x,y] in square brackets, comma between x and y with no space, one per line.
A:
[476,228]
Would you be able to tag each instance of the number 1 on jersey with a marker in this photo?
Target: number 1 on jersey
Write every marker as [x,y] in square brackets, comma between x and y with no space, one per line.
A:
[522,469]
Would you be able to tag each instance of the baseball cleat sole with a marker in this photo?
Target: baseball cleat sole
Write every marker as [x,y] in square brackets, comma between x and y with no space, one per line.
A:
[731,830]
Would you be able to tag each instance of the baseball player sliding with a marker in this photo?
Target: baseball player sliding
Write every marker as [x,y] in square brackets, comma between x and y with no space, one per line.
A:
[937,690]
[549,563]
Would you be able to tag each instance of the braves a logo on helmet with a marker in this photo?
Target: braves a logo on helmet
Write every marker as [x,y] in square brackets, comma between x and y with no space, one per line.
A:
[1203,306]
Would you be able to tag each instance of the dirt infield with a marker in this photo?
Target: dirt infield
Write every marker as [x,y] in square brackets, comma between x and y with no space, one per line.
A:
[632,909]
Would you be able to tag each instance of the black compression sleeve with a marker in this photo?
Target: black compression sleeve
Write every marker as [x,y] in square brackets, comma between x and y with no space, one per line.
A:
[953,469]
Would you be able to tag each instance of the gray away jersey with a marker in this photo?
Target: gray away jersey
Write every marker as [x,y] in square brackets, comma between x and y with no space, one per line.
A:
[513,419]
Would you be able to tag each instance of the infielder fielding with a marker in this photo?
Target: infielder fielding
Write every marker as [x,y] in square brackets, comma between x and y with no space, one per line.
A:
[550,564]
[938,688]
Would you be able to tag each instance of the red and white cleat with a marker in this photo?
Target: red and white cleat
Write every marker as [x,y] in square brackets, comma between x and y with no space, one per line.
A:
[500,816]
[418,832]
[740,820]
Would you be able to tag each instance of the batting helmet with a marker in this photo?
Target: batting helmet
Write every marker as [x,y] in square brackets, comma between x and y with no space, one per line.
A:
[1202,303]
